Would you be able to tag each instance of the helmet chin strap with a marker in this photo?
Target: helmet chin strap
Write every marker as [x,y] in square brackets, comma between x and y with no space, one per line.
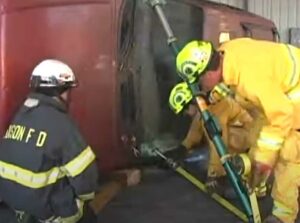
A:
[64,101]
[61,99]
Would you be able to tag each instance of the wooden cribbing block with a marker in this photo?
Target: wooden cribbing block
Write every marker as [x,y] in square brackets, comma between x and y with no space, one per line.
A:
[129,177]
[105,195]
[108,191]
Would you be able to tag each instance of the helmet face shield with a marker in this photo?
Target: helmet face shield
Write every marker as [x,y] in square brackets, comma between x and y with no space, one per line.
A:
[180,96]
[193,59]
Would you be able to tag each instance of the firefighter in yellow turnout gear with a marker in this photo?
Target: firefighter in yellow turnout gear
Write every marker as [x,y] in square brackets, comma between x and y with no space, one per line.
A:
[233,119]
[267,75]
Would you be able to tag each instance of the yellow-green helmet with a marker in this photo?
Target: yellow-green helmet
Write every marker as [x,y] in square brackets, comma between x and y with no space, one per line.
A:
[180,96]
[193,59]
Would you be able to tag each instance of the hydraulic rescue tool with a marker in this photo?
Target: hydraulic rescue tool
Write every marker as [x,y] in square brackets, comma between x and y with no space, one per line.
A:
[249,201]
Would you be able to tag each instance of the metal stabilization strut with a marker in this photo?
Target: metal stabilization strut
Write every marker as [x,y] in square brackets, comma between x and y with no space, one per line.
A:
[248,201]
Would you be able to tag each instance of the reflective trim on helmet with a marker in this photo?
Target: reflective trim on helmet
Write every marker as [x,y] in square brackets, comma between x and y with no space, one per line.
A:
[189,68]
[179,97]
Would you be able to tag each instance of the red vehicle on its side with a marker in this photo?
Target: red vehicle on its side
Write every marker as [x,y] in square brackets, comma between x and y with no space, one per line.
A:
[119,53]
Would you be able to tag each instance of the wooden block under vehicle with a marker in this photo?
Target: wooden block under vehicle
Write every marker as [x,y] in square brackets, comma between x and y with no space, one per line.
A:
[129,177]
[108,191]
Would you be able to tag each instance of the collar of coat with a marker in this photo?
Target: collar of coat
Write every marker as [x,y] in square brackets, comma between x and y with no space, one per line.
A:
[36,99]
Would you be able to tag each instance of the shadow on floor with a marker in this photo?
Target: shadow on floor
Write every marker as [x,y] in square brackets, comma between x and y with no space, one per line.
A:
[164,197]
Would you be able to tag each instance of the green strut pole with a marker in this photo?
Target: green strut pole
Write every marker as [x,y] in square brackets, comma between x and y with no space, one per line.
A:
[209,120]
[156,5]
[214,132]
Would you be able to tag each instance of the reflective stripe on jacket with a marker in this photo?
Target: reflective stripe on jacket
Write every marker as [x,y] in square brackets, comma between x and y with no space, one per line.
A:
[265,73]
[45,164]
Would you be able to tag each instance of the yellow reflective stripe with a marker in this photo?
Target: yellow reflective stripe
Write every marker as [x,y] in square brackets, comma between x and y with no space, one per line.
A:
[80,163]
[295,76]
[281,210]
[75,218]
[255,208]
[269,142]
[29,178]
[294,95]
[38,180]
[261,190]
[72,219]
[86,197]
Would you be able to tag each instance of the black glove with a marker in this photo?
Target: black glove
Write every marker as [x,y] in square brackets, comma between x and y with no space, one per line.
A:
[212,184]
[221,186]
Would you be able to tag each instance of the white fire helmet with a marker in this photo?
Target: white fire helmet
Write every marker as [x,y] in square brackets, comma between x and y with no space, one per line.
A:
[52,73]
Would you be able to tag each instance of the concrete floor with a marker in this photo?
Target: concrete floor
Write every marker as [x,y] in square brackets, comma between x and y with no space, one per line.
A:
[162,197]
[172,200]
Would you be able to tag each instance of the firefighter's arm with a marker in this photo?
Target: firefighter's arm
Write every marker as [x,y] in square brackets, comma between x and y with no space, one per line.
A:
[195,133]
[239,115]
[221,110]
[79,165]
[279,112]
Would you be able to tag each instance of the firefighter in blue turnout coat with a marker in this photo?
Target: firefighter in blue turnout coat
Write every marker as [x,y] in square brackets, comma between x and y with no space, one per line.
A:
[47,170]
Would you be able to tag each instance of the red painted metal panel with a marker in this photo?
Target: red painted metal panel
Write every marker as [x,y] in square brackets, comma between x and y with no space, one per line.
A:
[79,33]
[84,34]
[12,5]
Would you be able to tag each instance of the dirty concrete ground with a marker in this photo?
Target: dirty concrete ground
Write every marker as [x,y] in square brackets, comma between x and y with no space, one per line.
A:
[162,197]
[165,197]
[172,200]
